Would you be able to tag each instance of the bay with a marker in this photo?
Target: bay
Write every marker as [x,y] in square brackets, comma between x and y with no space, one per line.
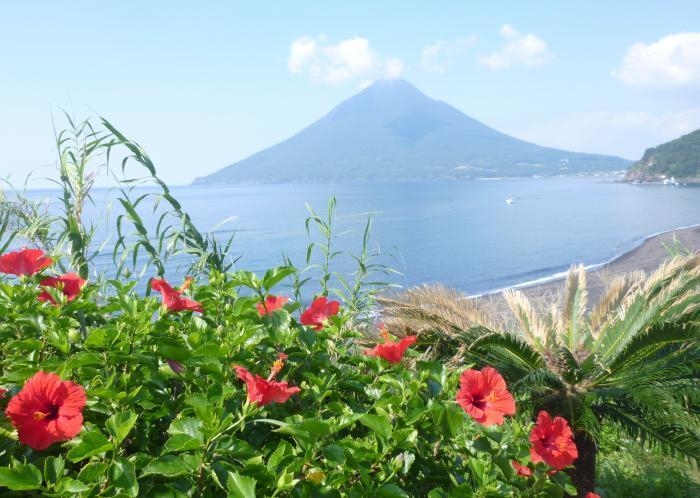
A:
[463,234]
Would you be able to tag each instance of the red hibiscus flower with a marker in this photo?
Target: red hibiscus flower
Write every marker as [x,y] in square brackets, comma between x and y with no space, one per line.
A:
[319,311]
[272,303]
[552,442]
[591,494]
[47,410]
[24,262]
[172,299]
[69,284]
[265,391]
[521,470]
[484,396]
[392,351]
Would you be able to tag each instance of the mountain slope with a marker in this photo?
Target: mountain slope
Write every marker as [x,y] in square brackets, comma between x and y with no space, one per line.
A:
[679,158]
[392,131]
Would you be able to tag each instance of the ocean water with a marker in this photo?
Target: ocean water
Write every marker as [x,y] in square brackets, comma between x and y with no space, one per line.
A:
[462,234]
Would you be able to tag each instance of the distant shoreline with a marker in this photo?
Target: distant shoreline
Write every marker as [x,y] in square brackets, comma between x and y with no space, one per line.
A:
[608,175]
[646,256]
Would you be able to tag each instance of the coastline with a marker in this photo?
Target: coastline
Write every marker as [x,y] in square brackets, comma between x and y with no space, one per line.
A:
[646,256]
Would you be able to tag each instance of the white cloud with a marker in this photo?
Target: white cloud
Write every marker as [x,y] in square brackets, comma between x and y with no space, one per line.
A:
[674,60]
[621,133]
[436,57]
[347,59]
[519,49]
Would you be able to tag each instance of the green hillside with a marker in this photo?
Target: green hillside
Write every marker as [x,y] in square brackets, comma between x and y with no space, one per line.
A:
[679,158]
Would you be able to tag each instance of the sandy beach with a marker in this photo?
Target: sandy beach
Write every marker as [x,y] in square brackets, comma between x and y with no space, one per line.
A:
[646,257]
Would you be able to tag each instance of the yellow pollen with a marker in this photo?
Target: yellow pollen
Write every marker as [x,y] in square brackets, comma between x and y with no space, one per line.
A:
[276,367]
[186,284]
[40,415]
[385,335]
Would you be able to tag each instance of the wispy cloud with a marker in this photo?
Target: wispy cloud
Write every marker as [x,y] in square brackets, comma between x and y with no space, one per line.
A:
[519,49]
[622,133]
[436,57]
[671,61]
[334,63]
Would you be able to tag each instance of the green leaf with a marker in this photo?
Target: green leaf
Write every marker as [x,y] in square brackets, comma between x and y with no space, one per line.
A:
[564,481]
[275,275]
[167,465]
[448,418]
[274,461]
[308,337]
[174,351]
[380,424]
[69,485]
[390,491]
[21,477]
[246,279]
[53,469]
[181,442]
[93,472]
[240,486]
[122,475]
[83,359]
[91,443]
[187,425]
[312,425]
[96,338]
[334,453]
[120,424]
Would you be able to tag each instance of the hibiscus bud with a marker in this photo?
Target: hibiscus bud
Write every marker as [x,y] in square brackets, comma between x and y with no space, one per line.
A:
[176,366]
[74,335]
[397,463]
[315,475]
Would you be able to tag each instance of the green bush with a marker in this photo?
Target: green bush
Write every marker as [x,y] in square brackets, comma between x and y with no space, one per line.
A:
[166,414]
[626,469]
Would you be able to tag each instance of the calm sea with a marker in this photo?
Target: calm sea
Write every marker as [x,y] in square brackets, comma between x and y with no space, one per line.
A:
[463,234]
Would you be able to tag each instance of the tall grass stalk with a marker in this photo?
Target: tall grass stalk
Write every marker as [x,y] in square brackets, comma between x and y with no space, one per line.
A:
[79,147]
[175,233]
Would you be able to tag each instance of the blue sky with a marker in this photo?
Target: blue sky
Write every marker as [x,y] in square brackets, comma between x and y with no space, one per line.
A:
[203,84]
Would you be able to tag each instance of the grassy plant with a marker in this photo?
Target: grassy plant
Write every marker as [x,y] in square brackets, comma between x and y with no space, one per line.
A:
[79,147]
[325,228]
[175,233]
[369,279]
[26,220]
[676,248]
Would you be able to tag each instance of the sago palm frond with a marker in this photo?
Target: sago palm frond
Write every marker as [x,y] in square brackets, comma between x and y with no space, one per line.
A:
[575,304]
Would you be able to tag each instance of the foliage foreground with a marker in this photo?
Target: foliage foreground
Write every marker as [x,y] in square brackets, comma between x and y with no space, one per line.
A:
[629,363]
[115,394]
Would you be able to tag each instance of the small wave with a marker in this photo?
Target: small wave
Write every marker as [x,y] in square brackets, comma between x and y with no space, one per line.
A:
[637,243]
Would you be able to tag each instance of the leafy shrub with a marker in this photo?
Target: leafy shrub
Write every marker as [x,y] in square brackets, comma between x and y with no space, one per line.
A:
[627,469]
[167,415]
[628,362]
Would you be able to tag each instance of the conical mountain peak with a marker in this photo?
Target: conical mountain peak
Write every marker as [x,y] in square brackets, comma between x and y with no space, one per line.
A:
[392,131]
